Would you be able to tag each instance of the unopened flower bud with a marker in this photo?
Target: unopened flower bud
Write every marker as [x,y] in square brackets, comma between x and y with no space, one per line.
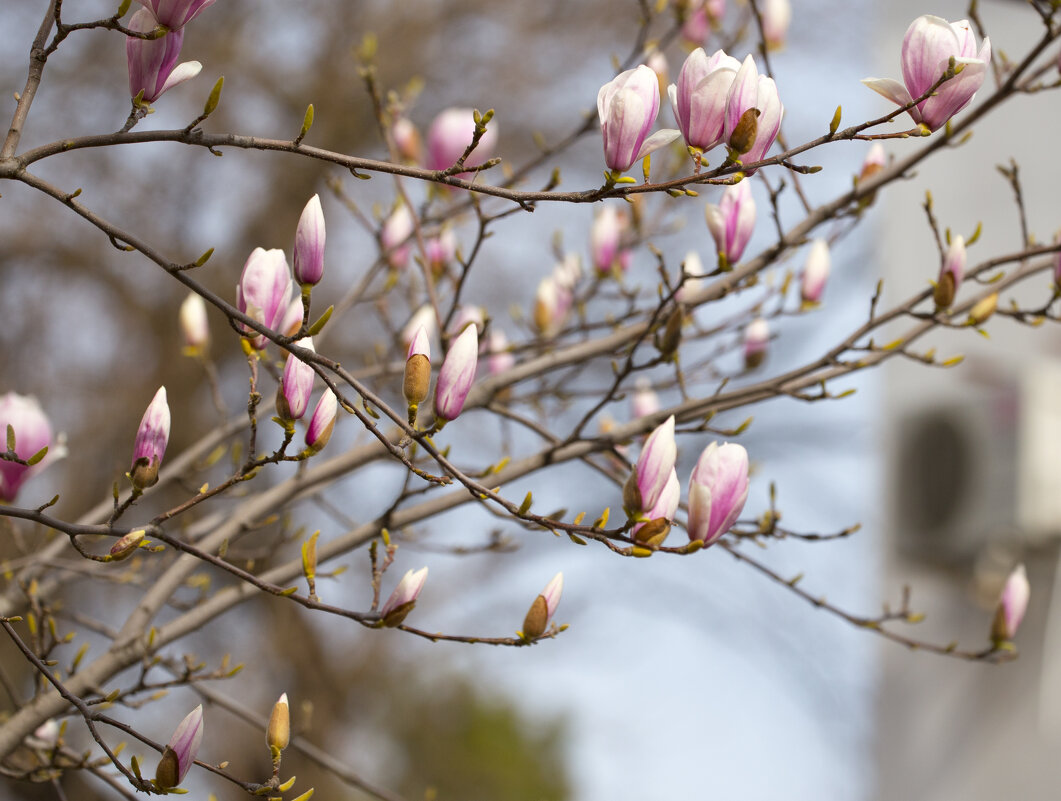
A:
[756,338]
[501,359]
[875,162]
[309,244]
[456,375]
[982,310]
[644,402]
[152,63]
[653,470]
[732,222]
[395,236]
[950,274]
[151,440]
[124,547]
[278,734]
[777,14]
[403,599]
[718,488]
[181,750]
[33,433]
[668,340]
[264,291]
[543,608]
[406,140]
[1012,605]
[296,385]
[417,380]
[194,327]
[424,317]
[815,273]
[322,423]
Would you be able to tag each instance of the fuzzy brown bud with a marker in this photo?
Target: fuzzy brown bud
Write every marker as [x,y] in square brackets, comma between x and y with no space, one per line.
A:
[744,135]
[982,311]
[167,774]
[671,335]
[144,473]
[125,546]
[632,495]
[278,735]
[537,618]
[653,532]
[417,382]
[943,294]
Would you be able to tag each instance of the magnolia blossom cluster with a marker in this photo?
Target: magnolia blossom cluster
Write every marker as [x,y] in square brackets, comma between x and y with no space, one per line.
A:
[719,100]
[718,488]
[153,63]
[267,293]
[928,48]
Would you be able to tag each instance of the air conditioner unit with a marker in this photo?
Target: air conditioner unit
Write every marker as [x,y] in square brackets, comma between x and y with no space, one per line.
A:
[979,467]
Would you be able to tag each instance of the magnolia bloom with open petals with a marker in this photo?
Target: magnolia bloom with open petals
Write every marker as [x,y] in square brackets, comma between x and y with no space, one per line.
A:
[322,423]
[653,470]
[718,488]
[951,273]
[929,45]
[1012,605]
[756,339]
[606,240]
[815,272]
[543,608]
[32,434]
[153,67]
[296,385]
[264,291]
[456,375]
[750,90]
[309,244]
[176,14]
[449,136]
[179,754]
[403,599]
[699,97]
[627,106]
[732,222]
[396,236]
[151,440]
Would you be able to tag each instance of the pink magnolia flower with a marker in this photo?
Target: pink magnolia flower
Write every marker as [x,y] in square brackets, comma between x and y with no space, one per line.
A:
[1012,605]
[322,423]
[151,439]
[752,90]
[395,236]
[441,250]
[264,291]
[699,98]
[406,140]
[32,434]
[194,326]
[951,273]
[875,161]
[552,303]
[928,47]
[175,14]
[777,14]
[666,504]
[309,244]
[627,106]
[152,63]
[756,339]
[732,222]
[644,401]
[501,359]
[296,385]
[180,752]
[424,317]
[456,375]
[403,599]
[718,488]
[449,136]
[815,272]
[655,465]
[606,240]
[468,315]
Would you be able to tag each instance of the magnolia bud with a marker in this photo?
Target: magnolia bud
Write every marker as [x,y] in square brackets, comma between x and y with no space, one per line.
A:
[181,750]
[543,608]
[403,599]
[743,137]
[151,440]
[671,336]
[982,311]
[125,546]
[653,532]
[278,735]
[417,380]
